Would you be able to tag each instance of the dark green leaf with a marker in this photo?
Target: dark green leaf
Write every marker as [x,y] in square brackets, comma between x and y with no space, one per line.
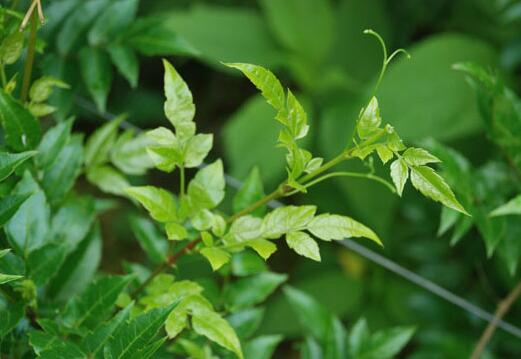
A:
[44,262]
[100,143]
[246,322]
[252,290]
[11,314]
[67,350]
[151,240]
[53,142]
[262,347]
[250,192]
[126,61]
[9,205]
[10,161]
[115,17]
[97,74]
[108,179]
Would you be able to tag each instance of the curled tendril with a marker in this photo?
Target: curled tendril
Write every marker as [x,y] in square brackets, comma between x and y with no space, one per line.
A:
[386,59]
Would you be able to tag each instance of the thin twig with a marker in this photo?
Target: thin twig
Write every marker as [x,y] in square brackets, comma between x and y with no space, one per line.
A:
[502,308]
[29,61]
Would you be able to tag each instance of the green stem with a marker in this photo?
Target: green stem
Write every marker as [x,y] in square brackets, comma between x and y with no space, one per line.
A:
[29,61]
[182,181]
[2,76]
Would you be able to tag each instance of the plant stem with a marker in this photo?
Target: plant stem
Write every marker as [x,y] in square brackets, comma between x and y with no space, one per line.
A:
[29,61]
[2,76]
[182,181]
[502,308]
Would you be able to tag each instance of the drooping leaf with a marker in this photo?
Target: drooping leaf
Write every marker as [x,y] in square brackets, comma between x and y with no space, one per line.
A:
[263,247]
[22,130]
[303,244]
[432,185]
[217,257]
[335,227]
[399,175]
[126,61]
[157,201]
[252,290]
[97,74]
[218,330]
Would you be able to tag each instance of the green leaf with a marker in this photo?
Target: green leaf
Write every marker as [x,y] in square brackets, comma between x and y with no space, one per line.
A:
[94,341]
[262,347]
[286,219]
[311,314]
[263,247]
[252,290]
[206,190]
[42,88]
[297,119]
[97,74]
[197,149]
[28,227]
[59,178]
[108,179]
[384,153]
[150,239]
[289,21]
[11,48]
[265,81]
[419,157]
[126,61]
[132,337]
[218,330]
[303,244]
[179,105]
[246,322]
[432,185]
[6,278]
[9,205]
[10,161]
[511,207]
[53,142]
[11,314]
[90,308]
[115,17]
[44,262]
[63,350]
[448,219]
[22,130]
[399,175]
[153,36]
[246,263]
[370,120]
[79,269]
[100,143]
[217,257]
[159,203]
[384,344]
[243,229]
[175,231]
[335,227]
[130,155]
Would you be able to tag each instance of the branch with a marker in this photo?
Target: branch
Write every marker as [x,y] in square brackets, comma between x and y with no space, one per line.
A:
[502,308]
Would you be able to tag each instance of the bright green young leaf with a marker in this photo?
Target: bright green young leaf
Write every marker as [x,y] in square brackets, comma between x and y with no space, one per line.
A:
[42,88]
[179,105]
[370,120]
[22,130]
[126,61]
[511,207]
[399,175]
[206,190]
[384,153]
[419,157]
[217,257]
[91,307]
[101,142]
[11,48]
[129,153]
[252,290]
[262,347]
[245,228]
[97,74]
[432,185]
[197,149]
[265,81]
[297,119]
[218,330]
[158,202]
[6,278]
[263,247]
[335,227]
[303,244]
[150,239]
[108,179]
[133,337]
[175,231]
[287,219]
[10,161]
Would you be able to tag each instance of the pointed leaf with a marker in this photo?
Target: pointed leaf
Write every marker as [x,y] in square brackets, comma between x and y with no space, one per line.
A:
[335,227]
[399,175]
[286,219]
[100,143]
[419,157]
[44,262]
[9,205]
[97,74]
[206,190]
[250,192]
[157,201]
[252,290]
[217,257]
[511,207]
[303,244]
[197,149]
[10,161]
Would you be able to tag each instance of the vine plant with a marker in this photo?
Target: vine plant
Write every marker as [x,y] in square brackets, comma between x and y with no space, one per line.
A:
[47,224]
